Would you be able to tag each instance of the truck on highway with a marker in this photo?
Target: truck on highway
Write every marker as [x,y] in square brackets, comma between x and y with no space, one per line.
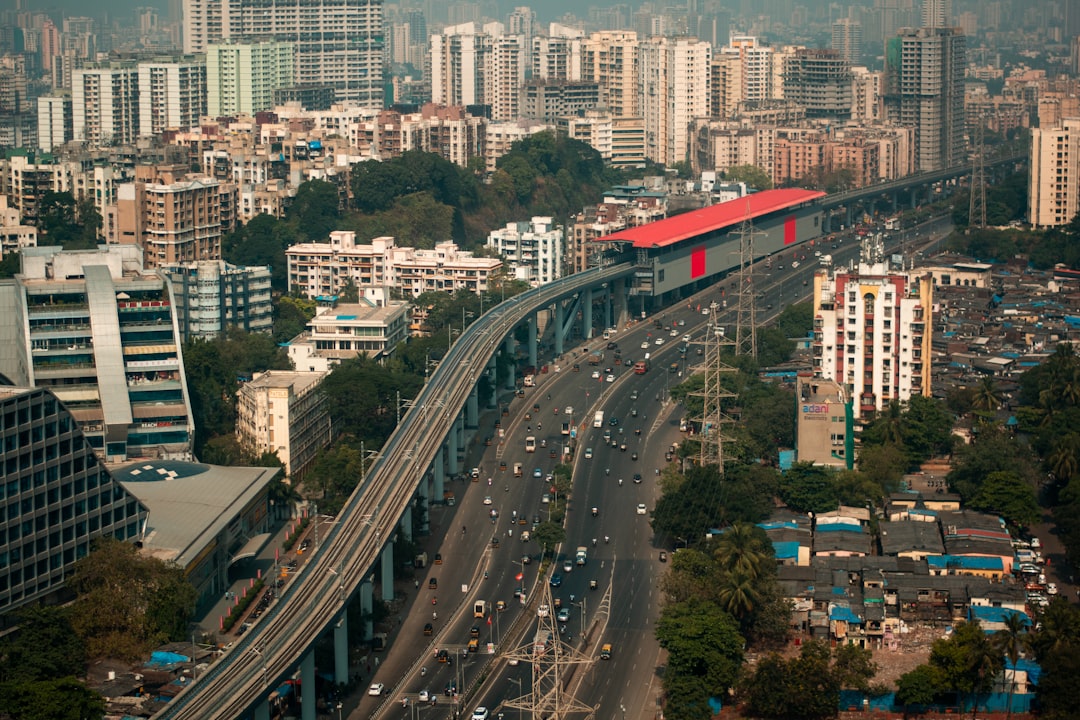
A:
[566,428]
[582,555]
[479,609]
[595,358]
[598,419]
[530,444]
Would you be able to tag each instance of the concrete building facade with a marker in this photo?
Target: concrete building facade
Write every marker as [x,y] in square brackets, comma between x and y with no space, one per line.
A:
[336,42]
[213,296]
[241,77]
[371,328]
[101,333]
[533,250]
[872,332]
[59,497]
[1054,181]
[172,94]
[284,413]
[105,104]
[924,89]
[673,87]
[323,269]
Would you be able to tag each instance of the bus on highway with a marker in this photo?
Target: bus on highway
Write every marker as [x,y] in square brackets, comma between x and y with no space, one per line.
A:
[598,419]
[641,367]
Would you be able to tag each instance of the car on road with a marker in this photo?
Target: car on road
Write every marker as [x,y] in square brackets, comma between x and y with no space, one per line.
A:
[424,696]
[451,688]
[663,556]
[613,421]
[637,478]
[686,338]
[545,498]
[674,333]
[1051,589]
[658,341]
[645,345]
[538,473]
[610,378]
[588,453]
[634,395]
[487,499]
[480,713]
[543,611]
[641,509]
[605,651]
[429,629]
[556,579]
[526,559]
[595,374]
[633,412]
[567,566]
[376,689]
[564,615]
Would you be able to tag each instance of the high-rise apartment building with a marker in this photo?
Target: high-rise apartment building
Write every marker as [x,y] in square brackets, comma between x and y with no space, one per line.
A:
[1054,183]
[212,296]
[820,81]
[458,57]
[726,85]
[100,333]
[336,42]
[506,73]
[847,39]
[673,87]
[610,59]
[937,13]
[758,77]
[872,331]
[241,77]
[533,250]
[557,57]
[174,217]
[54,121]
[172,94]
[924,89]
[105,104]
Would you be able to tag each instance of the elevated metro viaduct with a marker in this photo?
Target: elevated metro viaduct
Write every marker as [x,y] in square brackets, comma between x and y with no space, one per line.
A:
[661,263]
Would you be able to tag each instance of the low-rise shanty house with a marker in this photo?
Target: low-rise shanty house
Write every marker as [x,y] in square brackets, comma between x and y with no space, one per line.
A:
[992,619]
[845,513]
[1008,596]
[975,534]
[919,598]
[990,568]
[910,539]
[797,585]
[791,539]
[942,502]
[840,538]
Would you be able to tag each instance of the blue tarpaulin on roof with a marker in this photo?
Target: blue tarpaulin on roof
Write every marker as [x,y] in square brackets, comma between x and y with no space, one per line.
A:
[786,550]
[786,459]
[1072,320]
[164,659]
[844,614]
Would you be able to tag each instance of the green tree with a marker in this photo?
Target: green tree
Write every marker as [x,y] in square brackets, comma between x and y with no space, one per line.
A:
[1010,642]
[702,642]
[806,487]
[692,573]
[854,667]
[45,647]
[987,396]
[993,450]
[128,604]
[549,534]
[918,687]
[314,211]
[262,241]
[754,176]
[53,699]
[967,660]
[11,264]
[1008,495]
[796,320]
[691,510]
[806,687]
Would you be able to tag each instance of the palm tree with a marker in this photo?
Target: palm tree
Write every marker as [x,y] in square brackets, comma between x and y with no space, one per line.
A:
[1011,641]
[987,397]
[1064,460]
[738,594]
[741,550]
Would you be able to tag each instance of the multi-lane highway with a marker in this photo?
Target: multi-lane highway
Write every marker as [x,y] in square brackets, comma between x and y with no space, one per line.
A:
[237,682]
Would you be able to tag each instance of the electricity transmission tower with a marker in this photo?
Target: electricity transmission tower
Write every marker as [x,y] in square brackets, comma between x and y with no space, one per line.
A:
[745,312]
[977,190]
[551,660]
[714,394]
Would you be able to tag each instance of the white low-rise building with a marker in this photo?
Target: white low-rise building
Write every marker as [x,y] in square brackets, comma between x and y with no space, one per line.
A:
[324,269]
[349,330]
[533,250]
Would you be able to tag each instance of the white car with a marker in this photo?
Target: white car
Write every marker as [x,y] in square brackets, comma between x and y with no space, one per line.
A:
[376,689]
[1036,543]
[595,374]
[610,378]
[543,611]
[658,341]
[686,338]
[645,345]
[681,323]
[641,509]
[487,499]
[674,332]
[480,713]
[1051,589]
[705,311]
[424,696]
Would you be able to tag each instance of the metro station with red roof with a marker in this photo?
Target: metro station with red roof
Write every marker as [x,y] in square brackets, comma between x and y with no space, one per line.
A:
[685,253]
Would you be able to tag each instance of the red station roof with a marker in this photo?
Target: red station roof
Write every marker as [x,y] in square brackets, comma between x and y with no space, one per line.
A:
[669,231]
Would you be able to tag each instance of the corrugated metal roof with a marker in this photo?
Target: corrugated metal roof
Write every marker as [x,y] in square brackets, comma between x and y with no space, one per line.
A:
[663,233]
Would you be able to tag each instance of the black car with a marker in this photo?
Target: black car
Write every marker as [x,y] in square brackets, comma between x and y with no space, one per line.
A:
[613,421]
[556,580]
[637,477]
